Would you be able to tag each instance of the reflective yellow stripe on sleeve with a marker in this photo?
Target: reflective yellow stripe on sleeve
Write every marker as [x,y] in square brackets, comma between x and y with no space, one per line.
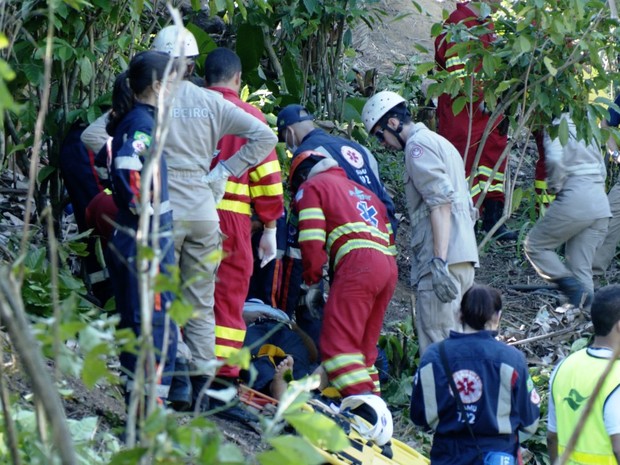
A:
[265,170]
[271,190]
[311,214]
[234,206]
[237,188]
[311,235]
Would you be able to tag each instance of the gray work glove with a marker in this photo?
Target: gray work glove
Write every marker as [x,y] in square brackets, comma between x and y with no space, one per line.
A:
[444,286]
[216,179]
[312,298]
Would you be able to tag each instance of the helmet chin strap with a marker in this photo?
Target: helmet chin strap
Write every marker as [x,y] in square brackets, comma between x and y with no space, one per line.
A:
[396,133]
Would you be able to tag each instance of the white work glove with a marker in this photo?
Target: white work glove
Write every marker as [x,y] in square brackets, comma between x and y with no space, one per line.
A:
[267,247]
[216,179]
[312,298]
[444,286]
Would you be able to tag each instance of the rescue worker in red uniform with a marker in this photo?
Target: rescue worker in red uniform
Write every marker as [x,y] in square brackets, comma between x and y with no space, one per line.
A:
[261,188]
[469,125]
[347,225]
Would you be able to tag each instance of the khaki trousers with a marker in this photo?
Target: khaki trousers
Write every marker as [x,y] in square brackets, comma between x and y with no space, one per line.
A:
[198,246]
[434,319]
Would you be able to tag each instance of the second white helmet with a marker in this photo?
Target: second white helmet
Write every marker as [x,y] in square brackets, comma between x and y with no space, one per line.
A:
[166,41]
[381,431]
[377,106]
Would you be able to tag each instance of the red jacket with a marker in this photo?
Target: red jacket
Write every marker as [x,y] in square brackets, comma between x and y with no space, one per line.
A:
[336,216]
[260,186]
[453,126]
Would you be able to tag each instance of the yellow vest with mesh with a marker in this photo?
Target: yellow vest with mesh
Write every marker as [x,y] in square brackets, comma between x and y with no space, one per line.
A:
[573,383]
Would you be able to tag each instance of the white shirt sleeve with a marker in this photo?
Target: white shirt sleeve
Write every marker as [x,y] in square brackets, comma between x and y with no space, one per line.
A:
[551,420]
[611,412]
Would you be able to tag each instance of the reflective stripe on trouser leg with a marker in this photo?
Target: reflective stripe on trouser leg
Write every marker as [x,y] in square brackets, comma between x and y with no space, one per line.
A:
[362,287]
[231,288]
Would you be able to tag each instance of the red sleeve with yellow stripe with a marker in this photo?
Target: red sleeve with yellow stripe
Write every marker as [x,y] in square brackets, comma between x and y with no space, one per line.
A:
[312,233]
[266,189]
[261,186]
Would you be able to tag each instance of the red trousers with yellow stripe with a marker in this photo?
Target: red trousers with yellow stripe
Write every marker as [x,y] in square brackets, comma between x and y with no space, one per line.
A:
[231,287]
[363,284]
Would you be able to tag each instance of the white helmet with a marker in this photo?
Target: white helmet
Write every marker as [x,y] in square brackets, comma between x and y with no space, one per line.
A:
[166,41]
[377,106]
[381,431]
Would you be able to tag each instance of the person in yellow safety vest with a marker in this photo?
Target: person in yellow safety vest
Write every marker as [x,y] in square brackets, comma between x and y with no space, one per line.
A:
[599,440]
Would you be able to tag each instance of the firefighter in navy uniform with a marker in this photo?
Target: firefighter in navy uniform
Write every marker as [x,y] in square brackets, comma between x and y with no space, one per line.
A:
[347,226]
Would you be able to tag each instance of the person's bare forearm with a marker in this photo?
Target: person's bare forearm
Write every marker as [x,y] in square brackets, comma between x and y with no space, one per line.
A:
[552,446]
[441,226]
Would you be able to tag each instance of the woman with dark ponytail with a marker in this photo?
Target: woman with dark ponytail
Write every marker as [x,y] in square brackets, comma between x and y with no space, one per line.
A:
[131,124]
[122,102]
[497,406]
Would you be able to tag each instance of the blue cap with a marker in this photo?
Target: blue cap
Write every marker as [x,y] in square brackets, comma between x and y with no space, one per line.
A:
[291,114]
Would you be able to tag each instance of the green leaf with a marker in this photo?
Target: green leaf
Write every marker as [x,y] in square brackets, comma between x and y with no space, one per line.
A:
[229,454]
[180,311]
[549,64]
[95,366]
[488,65]
[458,104]
[524,44]
[129,456]
[250,46]
[579,344]
[310,6]
[295,449]
[563,131]
[45,173]
[86,71]
[319,429]
[422,69]
[436,29]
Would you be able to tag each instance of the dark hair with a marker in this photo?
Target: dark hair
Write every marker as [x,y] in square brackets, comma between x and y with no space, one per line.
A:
[400,111]
[605,309]
[145,68]
[122,102]
[479,304]
[221,65]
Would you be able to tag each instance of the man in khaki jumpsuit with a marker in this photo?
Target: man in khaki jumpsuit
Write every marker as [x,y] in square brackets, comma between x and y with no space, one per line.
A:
[578,216]
[441,212]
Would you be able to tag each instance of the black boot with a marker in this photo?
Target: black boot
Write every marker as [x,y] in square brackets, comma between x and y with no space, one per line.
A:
[199,382]
[577,294]
[180,395]
[492,213]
